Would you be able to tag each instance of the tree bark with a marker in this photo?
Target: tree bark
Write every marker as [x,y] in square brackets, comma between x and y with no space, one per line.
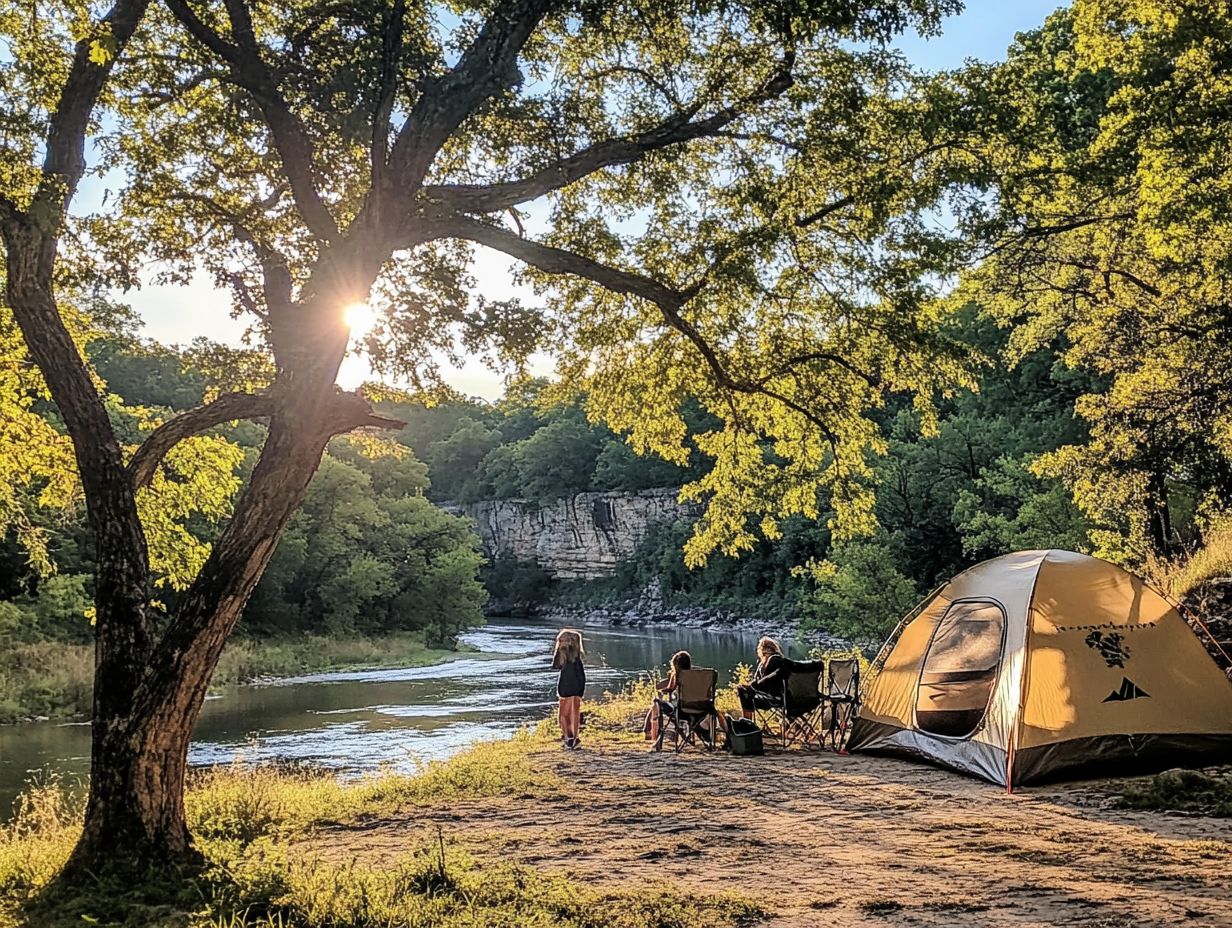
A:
[1159,518]
[141,756]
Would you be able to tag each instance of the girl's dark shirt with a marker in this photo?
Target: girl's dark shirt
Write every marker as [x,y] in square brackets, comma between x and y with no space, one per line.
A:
[572,681]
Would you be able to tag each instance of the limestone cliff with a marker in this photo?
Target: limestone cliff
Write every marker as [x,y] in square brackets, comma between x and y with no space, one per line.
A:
[576,538]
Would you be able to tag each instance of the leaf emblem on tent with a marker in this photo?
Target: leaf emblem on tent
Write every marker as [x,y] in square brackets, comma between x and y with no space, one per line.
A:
[1111,647]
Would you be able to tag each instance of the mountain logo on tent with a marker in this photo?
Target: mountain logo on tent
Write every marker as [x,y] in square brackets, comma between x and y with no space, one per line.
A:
[1111,647]
[1128,690]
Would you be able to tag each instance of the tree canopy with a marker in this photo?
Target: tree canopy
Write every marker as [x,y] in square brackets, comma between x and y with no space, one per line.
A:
[1106,141]
[673,177]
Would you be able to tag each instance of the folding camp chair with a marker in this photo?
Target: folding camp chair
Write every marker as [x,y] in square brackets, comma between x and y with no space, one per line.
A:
[793,713]
[842,699]
[692,706]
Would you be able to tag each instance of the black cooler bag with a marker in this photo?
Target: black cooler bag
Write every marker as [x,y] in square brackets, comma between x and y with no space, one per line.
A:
[744,737]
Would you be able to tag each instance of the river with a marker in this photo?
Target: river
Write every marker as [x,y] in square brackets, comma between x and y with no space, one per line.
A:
[365,720]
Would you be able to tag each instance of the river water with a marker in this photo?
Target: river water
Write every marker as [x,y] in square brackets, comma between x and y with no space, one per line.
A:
[361,721]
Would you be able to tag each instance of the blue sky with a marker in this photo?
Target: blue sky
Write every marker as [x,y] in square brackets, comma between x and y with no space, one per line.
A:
[178,314]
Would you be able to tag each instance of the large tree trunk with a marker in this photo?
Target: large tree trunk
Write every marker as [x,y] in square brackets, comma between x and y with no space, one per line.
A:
[141,739]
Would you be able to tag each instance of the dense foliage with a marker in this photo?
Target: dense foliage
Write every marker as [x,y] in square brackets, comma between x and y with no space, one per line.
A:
[946,498]
[367,553]
[529,446]
[1106,140]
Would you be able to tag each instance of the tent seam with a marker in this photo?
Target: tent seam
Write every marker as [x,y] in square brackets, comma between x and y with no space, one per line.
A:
[1016,725]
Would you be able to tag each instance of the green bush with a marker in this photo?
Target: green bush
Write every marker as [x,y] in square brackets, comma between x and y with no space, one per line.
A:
[1182,791]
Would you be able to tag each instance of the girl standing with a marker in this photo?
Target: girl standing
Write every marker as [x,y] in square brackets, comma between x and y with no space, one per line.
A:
[567,658]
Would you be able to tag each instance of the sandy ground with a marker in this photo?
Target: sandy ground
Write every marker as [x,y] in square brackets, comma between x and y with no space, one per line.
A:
[828,840]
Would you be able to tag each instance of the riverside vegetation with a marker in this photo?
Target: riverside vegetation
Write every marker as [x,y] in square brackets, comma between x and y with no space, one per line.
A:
[51,679]
[286,846]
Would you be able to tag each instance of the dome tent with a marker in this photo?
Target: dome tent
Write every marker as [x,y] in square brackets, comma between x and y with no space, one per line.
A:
[1041,662]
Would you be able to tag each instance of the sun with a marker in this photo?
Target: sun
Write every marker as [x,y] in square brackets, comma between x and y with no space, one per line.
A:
[359,318]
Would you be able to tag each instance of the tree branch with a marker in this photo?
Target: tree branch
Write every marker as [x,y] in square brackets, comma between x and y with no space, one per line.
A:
[65,160]
[291,140]
[611,153]
[827,356]
[391,49]
[228,407]
[669,301]
[559,261]
[276,275]
[487,67]
[659,86]
[1107,272]
[821,213]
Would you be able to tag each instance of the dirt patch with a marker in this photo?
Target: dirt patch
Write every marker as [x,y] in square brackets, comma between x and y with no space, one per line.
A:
[826,840]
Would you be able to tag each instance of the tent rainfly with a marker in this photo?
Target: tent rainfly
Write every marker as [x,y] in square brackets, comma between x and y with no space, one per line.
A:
[1044,662]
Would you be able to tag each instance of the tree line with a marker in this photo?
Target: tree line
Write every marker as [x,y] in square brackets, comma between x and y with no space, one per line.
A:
[367,552]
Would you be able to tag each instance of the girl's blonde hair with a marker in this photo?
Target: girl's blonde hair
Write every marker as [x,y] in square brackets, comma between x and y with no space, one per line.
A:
[768,646]
[568,646]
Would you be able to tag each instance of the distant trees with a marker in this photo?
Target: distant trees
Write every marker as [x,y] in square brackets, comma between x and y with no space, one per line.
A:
[358,561]
[525,448]
[368,553]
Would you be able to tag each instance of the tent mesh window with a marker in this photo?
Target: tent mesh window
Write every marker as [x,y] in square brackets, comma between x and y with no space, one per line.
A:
[960,668]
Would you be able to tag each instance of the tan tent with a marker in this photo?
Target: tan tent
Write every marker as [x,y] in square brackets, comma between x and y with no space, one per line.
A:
[1041,662]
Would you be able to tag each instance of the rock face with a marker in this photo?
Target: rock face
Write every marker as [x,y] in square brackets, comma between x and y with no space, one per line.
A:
[577,538]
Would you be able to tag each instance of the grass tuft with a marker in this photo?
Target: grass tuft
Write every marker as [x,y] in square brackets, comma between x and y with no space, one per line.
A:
[1213,560]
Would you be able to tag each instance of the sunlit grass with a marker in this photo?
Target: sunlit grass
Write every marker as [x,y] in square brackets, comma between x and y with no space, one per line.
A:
[1214,559]
[254,826]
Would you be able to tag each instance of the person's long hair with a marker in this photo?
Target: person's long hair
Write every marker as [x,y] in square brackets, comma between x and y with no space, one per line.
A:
[568,647]
[768,647]
[681,660]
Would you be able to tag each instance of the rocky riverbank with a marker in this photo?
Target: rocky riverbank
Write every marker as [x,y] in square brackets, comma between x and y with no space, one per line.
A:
[650,608]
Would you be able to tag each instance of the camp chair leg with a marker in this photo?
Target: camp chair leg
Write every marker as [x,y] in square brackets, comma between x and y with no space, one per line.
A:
[665,719]
[803,728]
[842,714]
[686,735]
[773,723]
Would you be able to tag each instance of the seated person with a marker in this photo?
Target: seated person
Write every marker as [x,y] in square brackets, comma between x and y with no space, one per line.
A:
[767,675]
[681,660]
[664,706]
